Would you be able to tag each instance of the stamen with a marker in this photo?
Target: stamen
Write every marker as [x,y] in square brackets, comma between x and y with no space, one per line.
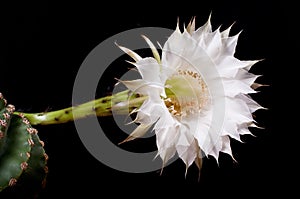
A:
[187,93]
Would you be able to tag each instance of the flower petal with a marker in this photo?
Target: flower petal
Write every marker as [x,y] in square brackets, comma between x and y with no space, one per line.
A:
[229,45]
[226,146]
[153,48]
[237,110]
[137,133]
[188,153]
[149,69]
[129,52]
[201,32]
[191,26]
[252,105]
[166,137]
[148,113]
[165,141]
[233,87]
[225,33]
[141,87]
[246,77]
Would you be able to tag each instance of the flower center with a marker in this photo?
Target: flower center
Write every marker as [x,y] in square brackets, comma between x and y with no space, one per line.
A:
[186,93]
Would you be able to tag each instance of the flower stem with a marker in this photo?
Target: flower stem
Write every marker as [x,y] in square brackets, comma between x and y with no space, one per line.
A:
[120,103]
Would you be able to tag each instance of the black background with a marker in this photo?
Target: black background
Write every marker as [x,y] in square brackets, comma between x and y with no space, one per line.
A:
[43,45]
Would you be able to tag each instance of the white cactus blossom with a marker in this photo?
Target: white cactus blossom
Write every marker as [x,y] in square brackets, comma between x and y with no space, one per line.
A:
[180,83]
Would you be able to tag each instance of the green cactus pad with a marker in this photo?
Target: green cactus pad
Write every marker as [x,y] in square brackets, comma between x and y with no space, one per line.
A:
[35,174]
[5,115]
[13,160]
[22,156]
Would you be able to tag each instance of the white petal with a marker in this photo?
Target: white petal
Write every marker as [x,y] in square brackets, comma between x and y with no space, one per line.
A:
[228,66]
[165,141]
[132,54]
[185,138]
[213,44]
[252,105]
[172,50]
[191,26]
[166,137]
[237,111]
[148,113]
[233,87]
[200,127]
[243,129]
[226,146]
[153,48]
[246,77]
[200,32]
[166,119]
[166,154]
[188,153]
[229,45]
[250,63]
[141,87]
[231,130]
[149,69]
[225,33]
[137,133]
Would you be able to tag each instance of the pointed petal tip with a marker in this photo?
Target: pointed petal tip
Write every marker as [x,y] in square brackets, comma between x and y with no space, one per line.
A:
[257,85]
[177,26]
[209,17]
[234,160]
[152,47]
[191,26]
[234,22]
[129,52]
[129,138]
[160,46]
[122,142]
[186,170]
[116,43]
[162,168]
[130,62]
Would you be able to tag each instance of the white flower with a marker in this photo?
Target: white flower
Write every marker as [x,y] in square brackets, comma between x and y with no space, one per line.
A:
[197,94]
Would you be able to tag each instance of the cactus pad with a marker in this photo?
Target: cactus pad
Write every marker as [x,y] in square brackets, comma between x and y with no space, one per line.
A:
[22,156]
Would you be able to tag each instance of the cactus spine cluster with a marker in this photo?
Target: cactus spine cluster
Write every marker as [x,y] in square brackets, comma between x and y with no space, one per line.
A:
[22,156]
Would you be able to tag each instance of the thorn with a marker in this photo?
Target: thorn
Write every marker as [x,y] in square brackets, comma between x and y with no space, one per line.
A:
[12,182]
[31,130]
[5,101]
[26,121]
[46,157]
[30,142]
[3,123]
[24,165]
[11,108]
[6,116]
[42,143]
